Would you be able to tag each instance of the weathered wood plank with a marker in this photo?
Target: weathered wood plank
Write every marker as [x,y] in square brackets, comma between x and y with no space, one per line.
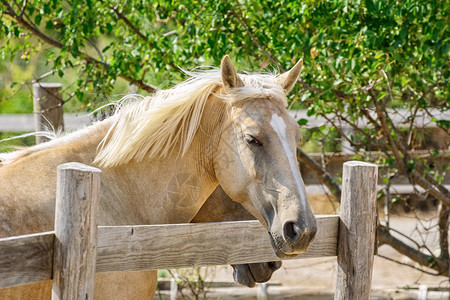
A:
[131,248]
[356,231]
[77,197]
[48,111]
[26,258]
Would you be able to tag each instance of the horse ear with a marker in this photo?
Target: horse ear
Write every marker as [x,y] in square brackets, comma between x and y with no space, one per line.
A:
[230,78]
[289,78]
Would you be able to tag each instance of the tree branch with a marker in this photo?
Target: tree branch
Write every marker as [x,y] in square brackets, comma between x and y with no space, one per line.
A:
[384,237]
[425,175]
[443,223]
[431,188]
[408,265]
[19,19]
[408,141]
[269,55]
[341,131]
[385,127]
[122,17]
[320,173]
[429,184]
[96,48]
[255,41]
[35,31]
[22,11]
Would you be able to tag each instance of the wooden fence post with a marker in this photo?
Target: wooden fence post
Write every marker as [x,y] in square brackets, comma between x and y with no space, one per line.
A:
[48,110]
[357,229]
[75,249]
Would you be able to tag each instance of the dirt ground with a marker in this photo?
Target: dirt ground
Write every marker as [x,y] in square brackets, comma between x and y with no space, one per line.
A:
[315,278]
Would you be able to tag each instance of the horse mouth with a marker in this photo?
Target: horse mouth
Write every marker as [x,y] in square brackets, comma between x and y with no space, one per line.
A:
[250,274]
[280,251]
[247,279]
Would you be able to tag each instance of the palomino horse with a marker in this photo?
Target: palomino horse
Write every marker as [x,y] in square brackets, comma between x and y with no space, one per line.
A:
[162,157]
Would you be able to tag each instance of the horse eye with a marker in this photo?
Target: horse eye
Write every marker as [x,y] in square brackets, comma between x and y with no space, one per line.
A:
[251,140]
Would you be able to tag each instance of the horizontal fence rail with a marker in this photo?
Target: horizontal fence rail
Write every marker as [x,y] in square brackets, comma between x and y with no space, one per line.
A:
[28,258]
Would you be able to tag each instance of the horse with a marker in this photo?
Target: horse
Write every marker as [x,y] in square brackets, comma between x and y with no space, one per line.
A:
[162,156]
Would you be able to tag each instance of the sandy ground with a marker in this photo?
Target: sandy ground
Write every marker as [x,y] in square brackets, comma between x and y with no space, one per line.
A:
[315,279]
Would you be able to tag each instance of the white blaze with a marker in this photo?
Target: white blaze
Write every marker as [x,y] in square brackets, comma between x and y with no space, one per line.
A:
[279,126]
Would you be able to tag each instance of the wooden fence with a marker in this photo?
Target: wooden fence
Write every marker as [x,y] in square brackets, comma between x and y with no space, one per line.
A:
[78,248]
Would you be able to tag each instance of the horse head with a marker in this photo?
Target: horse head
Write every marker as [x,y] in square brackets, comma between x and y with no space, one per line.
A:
[255,161]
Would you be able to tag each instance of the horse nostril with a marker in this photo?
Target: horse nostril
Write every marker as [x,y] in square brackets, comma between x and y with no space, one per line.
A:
[291,232]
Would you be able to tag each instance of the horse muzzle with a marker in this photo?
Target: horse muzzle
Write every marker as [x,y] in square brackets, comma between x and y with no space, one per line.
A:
[293,239]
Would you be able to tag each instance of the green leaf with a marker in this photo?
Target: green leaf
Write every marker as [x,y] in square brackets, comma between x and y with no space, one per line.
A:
[16,31]
[37,19]
[370,6]
[302,122]
[443,123]
[395,199]
[109,27]
[379,55]
[46,8]
[79,94]
[49,25]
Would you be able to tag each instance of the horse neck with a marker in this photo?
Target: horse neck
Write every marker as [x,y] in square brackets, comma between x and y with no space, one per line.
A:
[206,142]
[170,189]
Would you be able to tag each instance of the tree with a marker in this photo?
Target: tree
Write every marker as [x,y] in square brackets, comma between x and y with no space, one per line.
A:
[364,61]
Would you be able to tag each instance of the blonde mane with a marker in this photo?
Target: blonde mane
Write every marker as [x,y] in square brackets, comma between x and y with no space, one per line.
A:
[152,126]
